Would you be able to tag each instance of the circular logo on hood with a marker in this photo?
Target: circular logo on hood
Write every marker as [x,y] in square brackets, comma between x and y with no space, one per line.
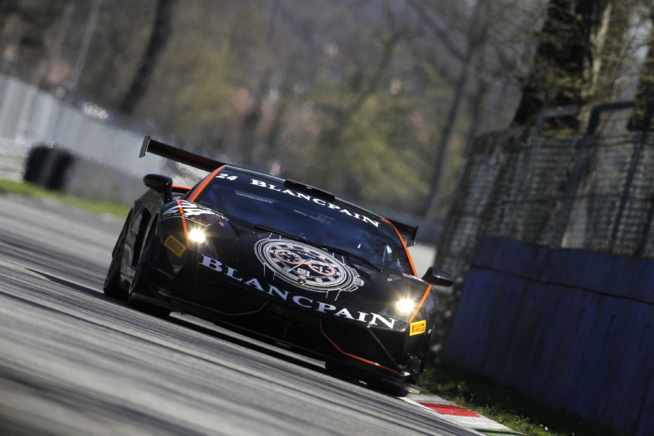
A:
[306,266]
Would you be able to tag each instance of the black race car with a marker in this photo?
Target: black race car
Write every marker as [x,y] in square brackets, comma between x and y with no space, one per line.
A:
[284,261]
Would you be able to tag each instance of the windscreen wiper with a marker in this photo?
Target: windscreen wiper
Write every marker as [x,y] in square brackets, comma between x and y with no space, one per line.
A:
[282,233]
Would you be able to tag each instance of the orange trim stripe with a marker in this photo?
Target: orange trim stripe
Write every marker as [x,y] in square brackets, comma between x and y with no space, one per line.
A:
[206,181]
[194,194]
[181,188]
[424,297]
[406,250]
[181,211]
[215,310]
[352,355]
[188,244]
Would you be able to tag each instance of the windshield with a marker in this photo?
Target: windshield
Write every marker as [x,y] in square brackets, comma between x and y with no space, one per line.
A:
[268,203]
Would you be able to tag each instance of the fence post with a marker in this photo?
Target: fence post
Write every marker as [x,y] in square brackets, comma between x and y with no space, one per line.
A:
[551,113]
[581,162]
[631,172]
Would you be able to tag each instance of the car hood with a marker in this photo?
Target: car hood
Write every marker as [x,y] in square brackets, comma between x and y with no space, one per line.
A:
[266,261]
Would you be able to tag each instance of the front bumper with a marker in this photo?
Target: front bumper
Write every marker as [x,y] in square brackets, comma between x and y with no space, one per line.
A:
[227,300]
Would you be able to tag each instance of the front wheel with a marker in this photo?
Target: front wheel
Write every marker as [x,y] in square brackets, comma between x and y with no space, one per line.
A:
[387,386]
[112,283]
[139,291]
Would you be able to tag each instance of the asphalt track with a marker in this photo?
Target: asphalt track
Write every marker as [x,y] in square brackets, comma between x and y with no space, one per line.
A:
[74,362]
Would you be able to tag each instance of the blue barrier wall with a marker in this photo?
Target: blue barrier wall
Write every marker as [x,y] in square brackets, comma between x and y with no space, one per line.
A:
[570,328]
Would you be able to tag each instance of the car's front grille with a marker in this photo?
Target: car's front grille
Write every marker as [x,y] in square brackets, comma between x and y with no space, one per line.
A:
[384,347]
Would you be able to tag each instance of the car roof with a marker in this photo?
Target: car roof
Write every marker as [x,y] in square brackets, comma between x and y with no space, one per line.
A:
[407,232]
[150,145]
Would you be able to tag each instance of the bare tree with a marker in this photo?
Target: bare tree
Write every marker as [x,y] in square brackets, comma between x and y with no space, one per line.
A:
[25,30]
[613,48]
[7,9]
[645,92]
[475,42]
[566,59]
[161,30]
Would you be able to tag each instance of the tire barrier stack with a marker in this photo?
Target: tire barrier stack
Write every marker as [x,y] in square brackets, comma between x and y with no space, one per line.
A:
[48,166]
[57,169]
[32,121]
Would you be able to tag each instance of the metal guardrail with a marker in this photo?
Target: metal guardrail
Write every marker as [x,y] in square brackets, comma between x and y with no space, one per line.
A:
[106,155]
[29,116]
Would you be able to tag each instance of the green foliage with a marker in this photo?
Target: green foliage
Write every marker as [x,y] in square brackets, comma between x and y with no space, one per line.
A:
[504,405]
[205,100]
[30,190]
[118,43]
[382,156]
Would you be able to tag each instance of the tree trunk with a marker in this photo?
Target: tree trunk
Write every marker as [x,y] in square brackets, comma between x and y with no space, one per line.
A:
[645,91]
[25,29]
[160,34]
[476,40]
[565,61]
[610,44]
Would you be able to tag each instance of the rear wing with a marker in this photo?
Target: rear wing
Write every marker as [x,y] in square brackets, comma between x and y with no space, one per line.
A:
[178,155]
[407,232]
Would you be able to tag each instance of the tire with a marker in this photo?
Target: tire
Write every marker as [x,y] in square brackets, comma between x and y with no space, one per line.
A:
[112,283]
[139,291]
[387,386]
[48,167]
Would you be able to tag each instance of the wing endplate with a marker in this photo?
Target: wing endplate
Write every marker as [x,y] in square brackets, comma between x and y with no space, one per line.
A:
[178,155]
[407,232]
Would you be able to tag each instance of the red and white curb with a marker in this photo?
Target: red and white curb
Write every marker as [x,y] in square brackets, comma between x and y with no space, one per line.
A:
[460,415]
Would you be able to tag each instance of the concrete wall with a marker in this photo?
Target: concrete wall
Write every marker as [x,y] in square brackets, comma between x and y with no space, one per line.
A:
[570,328]
[29,116]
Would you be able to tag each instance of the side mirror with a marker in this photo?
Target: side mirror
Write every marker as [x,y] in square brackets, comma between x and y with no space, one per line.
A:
[160,184]
[436,276]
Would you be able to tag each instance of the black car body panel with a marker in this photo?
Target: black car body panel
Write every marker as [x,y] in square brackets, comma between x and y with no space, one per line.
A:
[282,260]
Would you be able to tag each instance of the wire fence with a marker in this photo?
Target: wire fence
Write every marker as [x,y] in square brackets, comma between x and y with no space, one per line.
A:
[594,193]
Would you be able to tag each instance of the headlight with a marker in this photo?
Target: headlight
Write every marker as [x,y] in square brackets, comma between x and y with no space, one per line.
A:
[197,235]
[405,306]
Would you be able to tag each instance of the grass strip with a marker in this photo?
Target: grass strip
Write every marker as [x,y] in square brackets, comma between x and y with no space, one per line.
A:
[31,190]
[504,405]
